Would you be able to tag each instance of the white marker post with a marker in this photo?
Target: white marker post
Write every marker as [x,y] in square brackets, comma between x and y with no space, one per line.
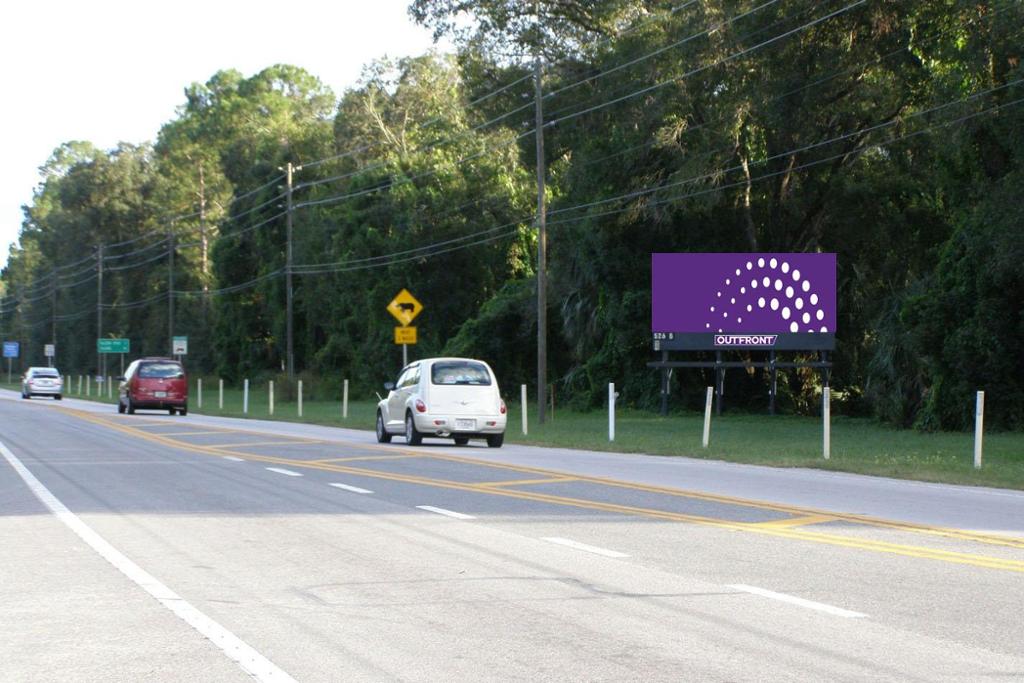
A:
[979,427]
[199,392]
[271,390]
[79,385]
[88,386]
[245,396]
[300,398]
[523,406]
[344,400]
[826,417]
[220,394]
[110,388]
[707,417]
[611,411]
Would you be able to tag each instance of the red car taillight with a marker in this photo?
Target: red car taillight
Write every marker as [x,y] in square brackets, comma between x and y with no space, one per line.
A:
[421,406]
[502,409]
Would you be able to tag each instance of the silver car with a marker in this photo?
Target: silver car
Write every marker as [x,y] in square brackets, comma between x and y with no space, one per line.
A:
[450,398]
[42,382]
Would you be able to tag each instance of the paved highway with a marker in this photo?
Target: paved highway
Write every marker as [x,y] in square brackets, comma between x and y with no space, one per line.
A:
[148,547]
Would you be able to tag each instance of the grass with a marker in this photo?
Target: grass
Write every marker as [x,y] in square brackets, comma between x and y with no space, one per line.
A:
[858,445]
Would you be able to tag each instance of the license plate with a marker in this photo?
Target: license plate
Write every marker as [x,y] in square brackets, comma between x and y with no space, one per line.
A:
[465,424]
[160,394]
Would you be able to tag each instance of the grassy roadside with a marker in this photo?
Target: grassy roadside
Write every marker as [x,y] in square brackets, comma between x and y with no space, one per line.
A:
[861,446]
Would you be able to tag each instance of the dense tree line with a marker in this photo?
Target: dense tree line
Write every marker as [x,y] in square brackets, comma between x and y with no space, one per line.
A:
[889,132]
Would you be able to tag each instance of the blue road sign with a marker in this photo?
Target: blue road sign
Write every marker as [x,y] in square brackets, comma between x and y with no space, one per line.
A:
[11,349]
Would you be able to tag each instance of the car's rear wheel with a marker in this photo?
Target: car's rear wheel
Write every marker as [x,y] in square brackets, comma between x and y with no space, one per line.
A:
[120,406]
[382,434]
[495,440]
[130,407]
[183,410]
[412,436]
[461,440]
[58,397]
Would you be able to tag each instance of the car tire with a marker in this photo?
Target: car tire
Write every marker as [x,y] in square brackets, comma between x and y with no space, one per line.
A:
[495,440]
[24,395]
[129,406]
[57,397]
[461,440]
[382,433]
[120,406]
[170,411]
[183,411]
[412,435]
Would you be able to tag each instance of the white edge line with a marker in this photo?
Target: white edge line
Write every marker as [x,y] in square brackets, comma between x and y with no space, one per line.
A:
[353,489]
[793,600]
[446,513]
[258,666]
[280,470]
[583,546]
[233,458]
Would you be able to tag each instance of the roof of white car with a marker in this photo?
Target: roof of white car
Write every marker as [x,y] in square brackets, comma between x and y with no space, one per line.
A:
[447,359]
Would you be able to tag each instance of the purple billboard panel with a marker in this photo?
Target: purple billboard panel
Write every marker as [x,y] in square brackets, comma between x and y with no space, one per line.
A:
[744,300]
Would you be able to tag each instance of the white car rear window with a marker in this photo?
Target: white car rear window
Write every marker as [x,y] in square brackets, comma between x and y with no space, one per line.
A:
[460,372]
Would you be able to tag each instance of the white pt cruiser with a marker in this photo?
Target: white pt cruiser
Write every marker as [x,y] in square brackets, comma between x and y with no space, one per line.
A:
[454,398]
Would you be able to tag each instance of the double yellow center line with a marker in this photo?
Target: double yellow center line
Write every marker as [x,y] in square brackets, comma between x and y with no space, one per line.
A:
[785,528]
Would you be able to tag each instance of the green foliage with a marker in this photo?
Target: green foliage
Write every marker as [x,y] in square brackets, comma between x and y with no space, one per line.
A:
[861,135]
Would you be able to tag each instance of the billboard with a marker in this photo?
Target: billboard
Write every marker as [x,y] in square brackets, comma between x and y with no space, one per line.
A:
[742,300]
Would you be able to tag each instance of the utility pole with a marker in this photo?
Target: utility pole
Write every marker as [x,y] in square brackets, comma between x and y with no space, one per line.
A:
[53,315]
[99,306]
[170,290]
[542,249]
[289,169]
[204,236]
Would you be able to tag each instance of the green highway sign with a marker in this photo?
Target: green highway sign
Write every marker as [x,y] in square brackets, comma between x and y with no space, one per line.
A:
[112,345]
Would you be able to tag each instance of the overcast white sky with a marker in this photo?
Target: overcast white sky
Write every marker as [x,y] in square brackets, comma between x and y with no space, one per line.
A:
[115,70]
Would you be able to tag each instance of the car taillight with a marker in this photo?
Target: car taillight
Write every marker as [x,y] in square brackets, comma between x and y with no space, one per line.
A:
[502,409]
[421,406]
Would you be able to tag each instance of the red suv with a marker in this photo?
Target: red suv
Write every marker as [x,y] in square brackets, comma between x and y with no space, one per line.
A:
[158,383]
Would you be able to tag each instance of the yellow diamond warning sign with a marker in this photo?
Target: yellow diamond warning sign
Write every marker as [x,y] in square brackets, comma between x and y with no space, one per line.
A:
[404,307]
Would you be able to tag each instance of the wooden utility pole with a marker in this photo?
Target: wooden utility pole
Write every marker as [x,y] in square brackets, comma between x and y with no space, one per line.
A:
[99,306]
[203,237]
[170,291]
[289,169]
[53,315]
[542,297]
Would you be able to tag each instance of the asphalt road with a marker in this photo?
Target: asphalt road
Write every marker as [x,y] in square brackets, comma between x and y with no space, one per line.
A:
[148,547]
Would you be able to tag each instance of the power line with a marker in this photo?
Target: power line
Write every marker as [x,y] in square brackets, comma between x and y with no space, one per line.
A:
[692,72]
[792,152]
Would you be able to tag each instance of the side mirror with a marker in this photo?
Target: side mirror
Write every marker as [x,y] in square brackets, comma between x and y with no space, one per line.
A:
[390,386]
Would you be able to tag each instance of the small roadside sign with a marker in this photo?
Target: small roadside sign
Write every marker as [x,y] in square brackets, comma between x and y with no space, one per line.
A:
[11,349]
[405,307]
[49,350]
[405,335]
[179,346]
[113,346]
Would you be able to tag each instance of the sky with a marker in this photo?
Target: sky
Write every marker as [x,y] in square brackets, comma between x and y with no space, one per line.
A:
[109,71]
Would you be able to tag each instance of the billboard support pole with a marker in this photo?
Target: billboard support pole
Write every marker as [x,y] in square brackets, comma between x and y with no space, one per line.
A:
[719,382]
[774,386]
[664,386]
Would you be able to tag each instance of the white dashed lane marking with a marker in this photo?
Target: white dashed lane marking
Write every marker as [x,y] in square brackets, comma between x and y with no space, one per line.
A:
[346,487]
[446,513]
[280,470]
[800,602]
[583,546]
